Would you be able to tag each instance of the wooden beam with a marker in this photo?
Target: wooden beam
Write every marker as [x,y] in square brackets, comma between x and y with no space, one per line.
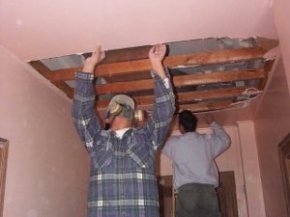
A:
[127,54]
[194,107]
[268,67]
[41,68]
[210,94]
[64,87]
[206,106]
[126,67]
[217,77]
[181,81]
[266,43]
[45,72]
[186,96]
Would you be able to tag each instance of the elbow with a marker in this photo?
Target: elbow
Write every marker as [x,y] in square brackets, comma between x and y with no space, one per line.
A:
[228,141]
[169,107]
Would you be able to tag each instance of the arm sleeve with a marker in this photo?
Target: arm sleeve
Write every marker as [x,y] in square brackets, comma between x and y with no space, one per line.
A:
[168,148]
[220,140]
[83,109]
[163,110]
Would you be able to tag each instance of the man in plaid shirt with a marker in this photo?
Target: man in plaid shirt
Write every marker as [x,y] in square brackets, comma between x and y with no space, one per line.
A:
[122,159]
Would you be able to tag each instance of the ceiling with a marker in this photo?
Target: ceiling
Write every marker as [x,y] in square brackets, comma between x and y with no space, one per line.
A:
[208,74]
[36,29]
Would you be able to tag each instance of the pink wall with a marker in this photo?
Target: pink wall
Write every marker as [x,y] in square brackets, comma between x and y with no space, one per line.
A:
[281,16]
[47,166]
[251,169]
[273,118]
[272,124]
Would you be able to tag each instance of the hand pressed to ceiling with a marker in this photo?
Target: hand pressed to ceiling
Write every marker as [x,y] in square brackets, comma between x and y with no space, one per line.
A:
[90,63]
[156,56]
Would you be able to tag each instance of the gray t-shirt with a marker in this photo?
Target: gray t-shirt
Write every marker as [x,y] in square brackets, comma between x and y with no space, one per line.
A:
[193,156]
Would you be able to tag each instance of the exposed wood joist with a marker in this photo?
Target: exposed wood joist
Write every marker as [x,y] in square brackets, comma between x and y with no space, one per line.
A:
[133,66]
[45,72]
[41,68]
[207,76]
[206,106]
[181,81]
[186,96]
[267,68]
[196,107]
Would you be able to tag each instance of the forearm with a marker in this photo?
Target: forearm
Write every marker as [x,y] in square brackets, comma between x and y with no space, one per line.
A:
[164,107]
[222,139]
[164,99]
[83,110]
[158,68]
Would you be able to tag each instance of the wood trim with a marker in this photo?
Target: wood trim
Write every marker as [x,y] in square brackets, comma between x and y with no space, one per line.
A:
[181,81]
[220,56]
[3,166]
[284,155]
[227,194]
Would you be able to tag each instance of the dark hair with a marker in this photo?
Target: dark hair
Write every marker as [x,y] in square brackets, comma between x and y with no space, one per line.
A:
[187,120]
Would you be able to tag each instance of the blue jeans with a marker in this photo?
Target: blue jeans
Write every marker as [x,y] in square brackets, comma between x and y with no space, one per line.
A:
[197,200]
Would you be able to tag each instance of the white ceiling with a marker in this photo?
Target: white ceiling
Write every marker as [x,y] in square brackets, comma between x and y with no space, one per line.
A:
[37,29]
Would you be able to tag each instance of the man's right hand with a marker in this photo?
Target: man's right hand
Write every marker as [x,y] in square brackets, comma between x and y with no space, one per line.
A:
[209,118]
[156,56]
[90,63]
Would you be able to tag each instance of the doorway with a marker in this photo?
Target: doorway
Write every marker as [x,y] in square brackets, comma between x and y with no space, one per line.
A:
[226,194]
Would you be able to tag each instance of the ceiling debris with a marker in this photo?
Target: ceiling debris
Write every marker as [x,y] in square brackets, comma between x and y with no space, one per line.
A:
[208,74]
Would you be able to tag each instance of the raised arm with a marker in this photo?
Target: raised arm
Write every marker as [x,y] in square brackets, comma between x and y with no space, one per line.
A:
[83,109]
[156,56]
[91,62]
[219,140]
[164,101]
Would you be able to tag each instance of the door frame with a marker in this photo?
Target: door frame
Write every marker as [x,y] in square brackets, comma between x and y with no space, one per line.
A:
[3,166]
[284,155]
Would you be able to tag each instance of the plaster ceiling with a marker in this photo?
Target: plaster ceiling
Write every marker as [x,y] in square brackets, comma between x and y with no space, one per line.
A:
[38,29]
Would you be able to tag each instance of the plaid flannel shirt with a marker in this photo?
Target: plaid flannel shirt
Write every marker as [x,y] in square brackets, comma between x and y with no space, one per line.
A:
[123,179]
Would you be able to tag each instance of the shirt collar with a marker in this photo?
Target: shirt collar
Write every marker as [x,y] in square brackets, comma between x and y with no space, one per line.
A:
[120,133]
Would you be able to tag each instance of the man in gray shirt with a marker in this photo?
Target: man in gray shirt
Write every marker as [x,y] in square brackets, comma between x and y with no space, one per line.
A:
[195,172]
